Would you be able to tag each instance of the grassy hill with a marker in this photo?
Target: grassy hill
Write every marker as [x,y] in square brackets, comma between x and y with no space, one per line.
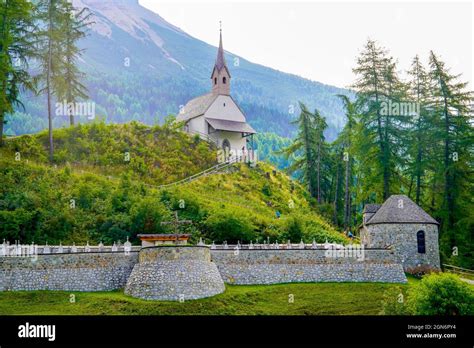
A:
[309,299]
[94,191]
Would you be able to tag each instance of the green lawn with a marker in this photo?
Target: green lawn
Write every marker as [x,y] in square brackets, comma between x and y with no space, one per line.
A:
[309,299]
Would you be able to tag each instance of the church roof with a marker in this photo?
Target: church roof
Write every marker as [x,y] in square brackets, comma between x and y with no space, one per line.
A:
[231,126]
[400,209]
[371,208]
[196,107]
[220,60]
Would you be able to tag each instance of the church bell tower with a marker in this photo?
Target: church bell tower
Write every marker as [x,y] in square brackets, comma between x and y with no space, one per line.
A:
[220,77]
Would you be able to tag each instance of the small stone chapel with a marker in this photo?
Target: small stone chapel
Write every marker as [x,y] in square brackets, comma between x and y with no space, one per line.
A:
[402,225]
[215,116]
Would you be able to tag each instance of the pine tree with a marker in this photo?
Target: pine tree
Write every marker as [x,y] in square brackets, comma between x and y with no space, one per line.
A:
[378,87]
[16,46]
[304,148]
[421,134]
[73,27]
[345,137]
[450,104]
[320,126]
[51,39]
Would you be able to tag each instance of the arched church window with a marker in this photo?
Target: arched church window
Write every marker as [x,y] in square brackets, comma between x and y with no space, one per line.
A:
[224,79]
[226,144]
[215,80]
[420,240]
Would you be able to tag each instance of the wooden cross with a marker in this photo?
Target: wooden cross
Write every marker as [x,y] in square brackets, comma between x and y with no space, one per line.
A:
[176,223]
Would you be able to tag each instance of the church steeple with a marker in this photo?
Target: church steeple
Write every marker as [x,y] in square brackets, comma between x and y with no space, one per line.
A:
[220,77]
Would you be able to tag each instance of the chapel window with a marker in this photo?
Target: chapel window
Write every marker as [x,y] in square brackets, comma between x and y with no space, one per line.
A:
[224,80]
[420,239]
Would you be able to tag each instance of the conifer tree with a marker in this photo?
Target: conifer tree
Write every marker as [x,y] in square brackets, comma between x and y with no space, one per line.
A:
[378,87]
[320,126]
[421,134]
[51,41]
[16,46]
[450,103]
[304,149]
[73,27]
[345,137]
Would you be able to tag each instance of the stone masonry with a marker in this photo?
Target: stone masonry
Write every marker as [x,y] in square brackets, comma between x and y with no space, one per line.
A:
[192,272]
[287,266]
[174,273]
[69,272]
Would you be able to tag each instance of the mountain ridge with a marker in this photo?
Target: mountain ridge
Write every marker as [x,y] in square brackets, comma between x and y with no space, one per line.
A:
[141,67]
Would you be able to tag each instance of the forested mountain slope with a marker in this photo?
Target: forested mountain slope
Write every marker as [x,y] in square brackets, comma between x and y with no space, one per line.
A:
[140,67]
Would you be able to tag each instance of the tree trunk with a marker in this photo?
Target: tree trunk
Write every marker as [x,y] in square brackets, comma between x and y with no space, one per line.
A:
[2,120]
[386,162]
[418,175]
[336,194]
[4,85]
[48,85]
[71,115]
[309,161]
[410,188]
[319,171]
[346,195]
[447,171]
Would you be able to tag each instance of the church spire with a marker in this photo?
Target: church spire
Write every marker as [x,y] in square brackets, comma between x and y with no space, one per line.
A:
[220,60]
[220,74]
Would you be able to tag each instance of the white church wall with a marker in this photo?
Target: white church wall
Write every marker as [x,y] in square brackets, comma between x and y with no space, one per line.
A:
[235,139]
[224,108]
[197,125]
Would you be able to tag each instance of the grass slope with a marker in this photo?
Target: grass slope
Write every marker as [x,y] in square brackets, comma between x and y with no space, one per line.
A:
[309,299]
[113,200]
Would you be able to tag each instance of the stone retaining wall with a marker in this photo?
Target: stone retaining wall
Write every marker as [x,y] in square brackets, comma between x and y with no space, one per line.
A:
[69,272]
[174,273]
[183,273]
[286,266]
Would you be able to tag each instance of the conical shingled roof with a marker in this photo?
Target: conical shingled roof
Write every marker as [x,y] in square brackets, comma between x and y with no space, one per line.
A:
[372,208]
[400,209]
[220,60]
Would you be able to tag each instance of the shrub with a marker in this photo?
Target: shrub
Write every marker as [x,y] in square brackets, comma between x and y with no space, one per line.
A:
[267,190]
[228,226]
[293,229]
[393,302]
[146,216]
[421,270]
[441,294]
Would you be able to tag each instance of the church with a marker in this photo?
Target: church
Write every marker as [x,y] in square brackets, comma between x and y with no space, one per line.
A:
[406,228]
[215,116]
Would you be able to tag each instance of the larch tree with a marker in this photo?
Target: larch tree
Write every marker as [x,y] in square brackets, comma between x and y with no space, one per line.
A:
[51,15]
[378,87]
[320,126]
[73,27]
[451,103]
[420,129]
[16,47]
[304,148]
[345,137]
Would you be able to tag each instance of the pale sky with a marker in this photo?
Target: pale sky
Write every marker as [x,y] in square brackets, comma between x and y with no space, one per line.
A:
[320,40]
